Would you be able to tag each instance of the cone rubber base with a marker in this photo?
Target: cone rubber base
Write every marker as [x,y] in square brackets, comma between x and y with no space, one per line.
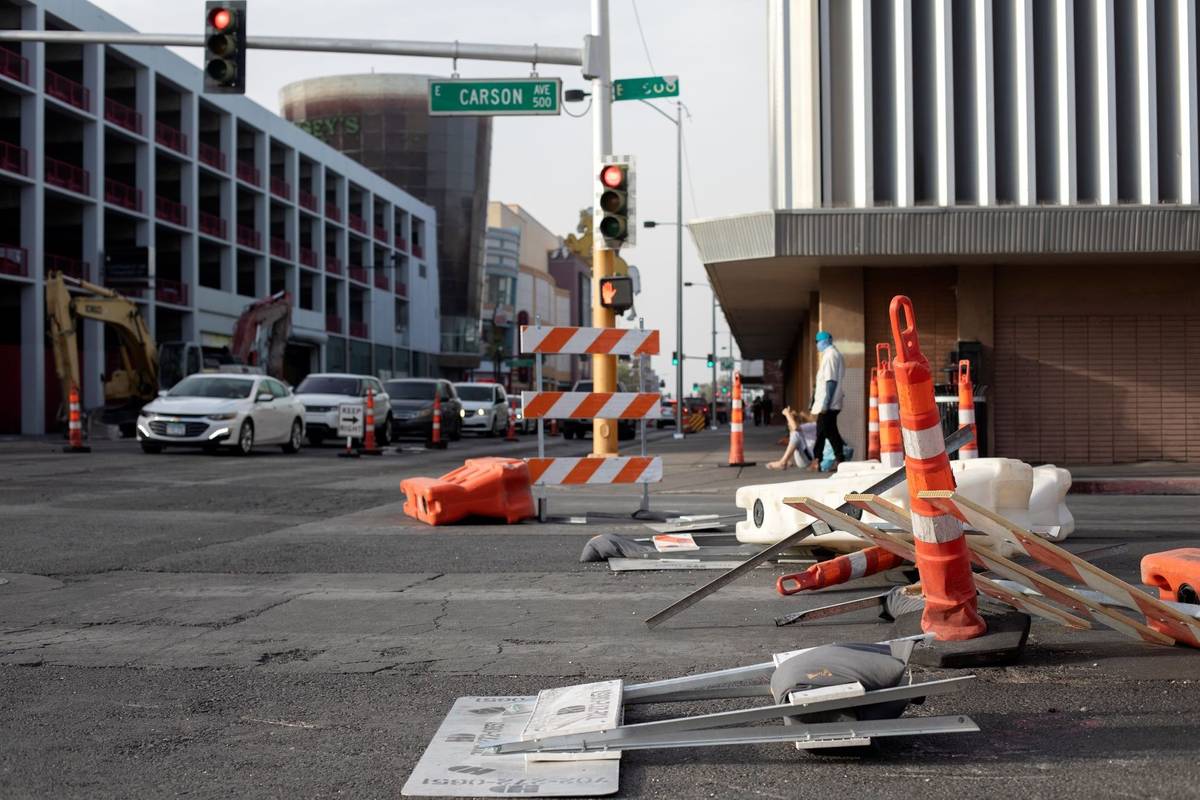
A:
[83,449]
[743,464]
[1003,643]
[435,445]
[348,454]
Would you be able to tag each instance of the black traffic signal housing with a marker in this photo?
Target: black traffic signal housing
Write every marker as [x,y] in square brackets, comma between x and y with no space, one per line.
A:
[709,362]
[225,46]
[614,217]
[617,293]
[674,358]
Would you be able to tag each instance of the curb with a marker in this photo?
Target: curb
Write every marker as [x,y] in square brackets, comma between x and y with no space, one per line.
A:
[1136,486]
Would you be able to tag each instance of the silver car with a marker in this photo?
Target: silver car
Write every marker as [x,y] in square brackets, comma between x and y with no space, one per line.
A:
[215,411]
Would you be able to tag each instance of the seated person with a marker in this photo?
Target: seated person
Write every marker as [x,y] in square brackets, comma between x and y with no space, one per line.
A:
[797,447]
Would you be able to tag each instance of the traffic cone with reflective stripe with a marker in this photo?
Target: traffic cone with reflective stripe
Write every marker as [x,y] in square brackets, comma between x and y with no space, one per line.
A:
[74,425]
[737,454]
[942,558]
[966,411]
[369,448]
[839,570]
[873,418]
[435,427]
[891,441]
[511,435]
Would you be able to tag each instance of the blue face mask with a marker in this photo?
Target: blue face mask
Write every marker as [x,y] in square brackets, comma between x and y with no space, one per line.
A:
[824,345]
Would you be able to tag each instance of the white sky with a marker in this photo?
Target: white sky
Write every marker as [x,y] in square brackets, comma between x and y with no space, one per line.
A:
[716,47]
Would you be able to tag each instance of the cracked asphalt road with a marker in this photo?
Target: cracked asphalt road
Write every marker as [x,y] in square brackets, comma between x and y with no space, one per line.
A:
[275,626]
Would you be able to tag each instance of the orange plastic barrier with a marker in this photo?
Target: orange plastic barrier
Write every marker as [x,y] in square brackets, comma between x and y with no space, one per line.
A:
[74,425]
[839,570]
[942,557]
[1176,573]
[891,441]
[737,443]
[481,487]
[873,417]
[966,411]
[369,447]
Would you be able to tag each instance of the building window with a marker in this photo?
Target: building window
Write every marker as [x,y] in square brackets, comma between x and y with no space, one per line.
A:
[335,354]
[421,269]
[401,317]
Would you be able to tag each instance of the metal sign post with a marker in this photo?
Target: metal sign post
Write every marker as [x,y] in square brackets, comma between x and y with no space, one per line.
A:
[645,506]
[541,422]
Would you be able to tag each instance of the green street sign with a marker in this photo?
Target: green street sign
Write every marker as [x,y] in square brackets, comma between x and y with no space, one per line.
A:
[646,88]
[494,97]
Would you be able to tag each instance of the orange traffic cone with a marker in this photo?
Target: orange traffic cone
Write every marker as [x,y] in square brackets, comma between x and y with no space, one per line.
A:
[511,435]
[553,428]
[966,411]
[737,454]
[942,559]
[873,418]
[74,425]
[369,448]
[839,570]
[435,428]
[891,440]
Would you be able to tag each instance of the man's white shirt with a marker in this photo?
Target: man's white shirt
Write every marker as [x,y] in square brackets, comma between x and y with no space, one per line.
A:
[832,368]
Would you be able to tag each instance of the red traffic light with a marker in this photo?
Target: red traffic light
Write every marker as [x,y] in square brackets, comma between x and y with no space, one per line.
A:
[221,18]
[612,176]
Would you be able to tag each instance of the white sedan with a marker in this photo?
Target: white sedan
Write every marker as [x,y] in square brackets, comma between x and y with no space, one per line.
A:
[214,411]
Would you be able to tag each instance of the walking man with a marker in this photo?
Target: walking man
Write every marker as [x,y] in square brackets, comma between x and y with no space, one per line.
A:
[827,401]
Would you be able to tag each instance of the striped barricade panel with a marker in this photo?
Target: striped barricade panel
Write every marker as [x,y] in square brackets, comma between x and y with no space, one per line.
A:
[591,405]
[585,341]
[576,471]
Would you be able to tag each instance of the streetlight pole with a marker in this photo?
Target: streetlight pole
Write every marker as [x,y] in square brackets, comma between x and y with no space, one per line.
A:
[679,268]
[713,351]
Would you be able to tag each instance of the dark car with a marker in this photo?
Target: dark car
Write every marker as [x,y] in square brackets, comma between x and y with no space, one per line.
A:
[412,408]
[626,428]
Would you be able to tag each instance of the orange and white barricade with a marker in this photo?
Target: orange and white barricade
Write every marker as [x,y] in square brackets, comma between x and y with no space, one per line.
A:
[891,440]
[873,417]
[589,341]
[75,425]
[737,420]
[588,470]
[966,411]
[580,405]
[942,557]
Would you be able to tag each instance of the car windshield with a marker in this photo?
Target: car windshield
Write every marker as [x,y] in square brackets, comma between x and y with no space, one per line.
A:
[474,393]
[320,384]
[410,390]
[205,386]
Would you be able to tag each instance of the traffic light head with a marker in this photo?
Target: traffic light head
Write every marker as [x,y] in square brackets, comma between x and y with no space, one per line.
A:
[225,46]
[614,206]
[674,358]
[710,363]
[616,293]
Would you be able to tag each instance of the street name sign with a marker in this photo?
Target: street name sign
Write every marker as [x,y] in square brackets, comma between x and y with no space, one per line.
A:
[350,419]
[494,97]
[646,88]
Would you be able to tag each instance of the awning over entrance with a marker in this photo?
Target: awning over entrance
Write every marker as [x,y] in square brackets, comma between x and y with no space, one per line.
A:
[765,266]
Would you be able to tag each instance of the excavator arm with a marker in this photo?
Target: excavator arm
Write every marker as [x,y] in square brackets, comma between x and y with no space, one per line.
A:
[261,333]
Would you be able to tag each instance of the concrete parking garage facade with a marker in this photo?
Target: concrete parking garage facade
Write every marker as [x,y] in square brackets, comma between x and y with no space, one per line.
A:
[1026,172]
[104,147]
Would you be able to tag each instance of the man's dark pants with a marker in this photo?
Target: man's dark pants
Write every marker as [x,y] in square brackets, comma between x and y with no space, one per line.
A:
[827,429]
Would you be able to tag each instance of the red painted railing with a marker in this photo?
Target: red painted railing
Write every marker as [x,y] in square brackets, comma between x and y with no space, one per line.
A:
[122,194]
[358,274]
[13,158]
[358,329]
[249,237]
[401,242]
[280,248]
[308,200]
[67,266]
[68,176]
[381,279]
[333,324]
[281,188]
[249,173]
[333,212]
[167,209]
[14,260]
[401,289]
[14,65]
[418,251]
[167,291]
[67,90]
[308,257]
[333,264]
[212,225]
[381,233]
[358,223]
[173,138]
[123,115]
[211,155]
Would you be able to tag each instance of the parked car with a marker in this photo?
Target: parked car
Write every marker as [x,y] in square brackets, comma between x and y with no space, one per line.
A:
[214,411]
[626,428]
[412,408]
[485,407]
[667,415]
[523,425]
[323,392]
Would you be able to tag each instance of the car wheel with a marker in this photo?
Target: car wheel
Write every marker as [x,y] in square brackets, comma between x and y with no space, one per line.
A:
[151,447]
[245,440]
[568,433]
[384,436]
[295,438]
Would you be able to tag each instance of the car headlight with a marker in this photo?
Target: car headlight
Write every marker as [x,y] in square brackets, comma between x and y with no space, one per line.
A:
[462,412]
[219,417]
[480,412]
